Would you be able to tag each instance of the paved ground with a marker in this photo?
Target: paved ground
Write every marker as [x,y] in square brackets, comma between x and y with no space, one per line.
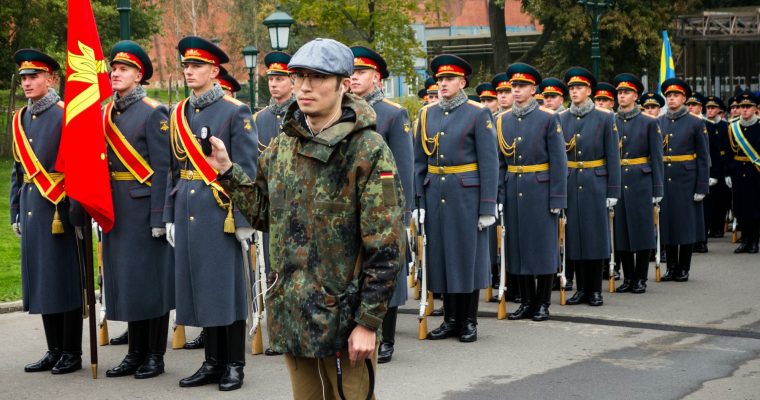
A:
[695,340]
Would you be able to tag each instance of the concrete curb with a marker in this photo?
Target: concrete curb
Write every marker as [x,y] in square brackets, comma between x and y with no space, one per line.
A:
[11,306]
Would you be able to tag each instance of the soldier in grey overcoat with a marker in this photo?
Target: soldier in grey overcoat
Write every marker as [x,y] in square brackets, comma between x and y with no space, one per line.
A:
[456,178]
[138,262]
[593,184]
[393,125]
[686,179]
[209,246]
[50,270]
[533,191]
[641,175]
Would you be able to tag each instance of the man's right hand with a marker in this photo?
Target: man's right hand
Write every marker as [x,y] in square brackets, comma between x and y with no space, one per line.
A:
[219,158]
[16,229]
[170,233]
[418,216]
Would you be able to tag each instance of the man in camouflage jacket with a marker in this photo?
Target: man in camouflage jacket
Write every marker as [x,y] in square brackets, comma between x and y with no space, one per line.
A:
[331,201]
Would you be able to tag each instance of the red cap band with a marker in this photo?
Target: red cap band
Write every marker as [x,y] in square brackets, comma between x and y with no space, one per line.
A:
[523,77]
[449,69]
[127,58]
[604,94]
[627,85]
[38,65]
[579,79]
[200,55]
[365,62]
[675,88]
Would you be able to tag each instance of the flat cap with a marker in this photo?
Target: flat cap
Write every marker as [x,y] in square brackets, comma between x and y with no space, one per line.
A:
[326,56]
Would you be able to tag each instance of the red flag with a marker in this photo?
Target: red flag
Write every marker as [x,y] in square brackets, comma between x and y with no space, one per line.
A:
[82,152]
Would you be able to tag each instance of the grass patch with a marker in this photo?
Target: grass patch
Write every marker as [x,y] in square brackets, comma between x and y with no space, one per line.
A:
[10,245]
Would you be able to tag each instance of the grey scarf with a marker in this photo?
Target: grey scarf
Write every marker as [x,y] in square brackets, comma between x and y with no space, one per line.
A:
[122,103]
[43,104]
[714,121]
[454,102]
[208,98]
[279,109]
[626,115]
[374,96]
[583,109]
[520,112]
[677,114]
[750,122]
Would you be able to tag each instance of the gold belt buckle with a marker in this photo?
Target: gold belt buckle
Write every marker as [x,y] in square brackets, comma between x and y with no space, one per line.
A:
[190,174]
[580,164]
[625,162]
[667,158]
[440,170]
[519,168]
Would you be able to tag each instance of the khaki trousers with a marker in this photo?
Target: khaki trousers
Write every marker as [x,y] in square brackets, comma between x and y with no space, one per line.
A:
[317,378]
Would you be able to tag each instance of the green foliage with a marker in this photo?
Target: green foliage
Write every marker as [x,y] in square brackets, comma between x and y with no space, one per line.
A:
[42,24]
[10,245]
[412,104]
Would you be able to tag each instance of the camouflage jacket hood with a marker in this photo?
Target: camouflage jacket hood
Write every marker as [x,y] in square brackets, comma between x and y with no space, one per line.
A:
[333,207]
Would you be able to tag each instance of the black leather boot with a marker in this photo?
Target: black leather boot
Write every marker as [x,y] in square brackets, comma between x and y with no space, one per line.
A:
[543,297]
[640,286]
[138,347]
[53,326]
[469,331]
[681,276]
[671,252]
[700,247]
[450,326]
[625,287]
[152,366]
[542,313]
[71,359]
[46,363]
[128,365]
[120,340]
[232,379]
[213,368]
[596,299]
[197,343]
[526,286]
[270,352]
[69,362]
[385,353]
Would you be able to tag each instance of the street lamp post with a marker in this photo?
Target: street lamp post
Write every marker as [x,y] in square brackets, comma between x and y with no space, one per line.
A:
[278,24]
[250,54]
[123,7]
[596,8]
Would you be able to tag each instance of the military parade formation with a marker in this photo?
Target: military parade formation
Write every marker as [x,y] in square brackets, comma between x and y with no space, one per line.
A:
[330,208]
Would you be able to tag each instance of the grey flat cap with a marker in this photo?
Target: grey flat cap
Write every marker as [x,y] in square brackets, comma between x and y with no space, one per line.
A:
[326,56]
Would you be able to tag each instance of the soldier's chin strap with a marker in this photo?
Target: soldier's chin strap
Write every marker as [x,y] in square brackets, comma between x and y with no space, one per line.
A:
[370,370]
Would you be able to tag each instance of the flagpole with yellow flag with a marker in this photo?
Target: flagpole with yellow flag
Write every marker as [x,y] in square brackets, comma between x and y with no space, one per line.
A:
[82,153]
[667,66]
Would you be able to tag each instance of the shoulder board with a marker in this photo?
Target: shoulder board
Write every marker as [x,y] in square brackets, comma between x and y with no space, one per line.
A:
[604,110]
[233,100]
[60,104]
[152,103]
[546,110]
[428,106]
[476,104]
[647,115]
[386,101]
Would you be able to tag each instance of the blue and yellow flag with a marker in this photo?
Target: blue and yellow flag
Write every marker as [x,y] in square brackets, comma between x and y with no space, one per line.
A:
[667,66]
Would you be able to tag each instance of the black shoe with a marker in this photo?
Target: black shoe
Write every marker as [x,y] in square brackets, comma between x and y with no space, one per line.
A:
[523,312]
[669,274]
[616,275]
[152,366]
[596,299]
[743,248]
[542,313]
[579,297]
[446,330]
[753,248]
[69,362]
[469,332]
[206,374]
[270,352]
[46,363]
[682,276]
[438,312]
[385,354]
[569,285]
[197,343]
[700,247]
[625,287]
[640,286]
[128,366]
[119,340]
[232,378]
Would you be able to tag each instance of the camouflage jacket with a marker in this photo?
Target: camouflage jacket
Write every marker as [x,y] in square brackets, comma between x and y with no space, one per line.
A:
[333,207]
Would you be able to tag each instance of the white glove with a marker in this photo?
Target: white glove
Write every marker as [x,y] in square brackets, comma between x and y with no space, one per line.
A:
[713,182]
[418,216]
[554,210]
[698,197]
[656,200]
[501,207]
[243,234]
[16,229]
[79,232]
[728,182]
[157,232]
[484,221]
[170,233]
[611,202]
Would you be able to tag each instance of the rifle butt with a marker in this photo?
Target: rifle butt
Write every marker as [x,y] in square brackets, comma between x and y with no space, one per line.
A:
[562,295]
[734,237]
[417,291]
[502,312]
[257,343]
[103,333]
[422,330]
[178,337]
[657,273]
[412,282]
[429,307]
[612,284]
[489,294]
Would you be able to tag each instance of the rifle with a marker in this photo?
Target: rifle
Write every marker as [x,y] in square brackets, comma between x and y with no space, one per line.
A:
[103,324]
[563,263]
[178,337]
[259,305]
[612,249]
[735,232]
[500,244]
[84,252]
[657,254]
[424,294]
[247,259]
[411,232]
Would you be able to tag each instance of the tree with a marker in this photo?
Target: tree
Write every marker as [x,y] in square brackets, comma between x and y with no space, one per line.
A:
[497,28]
[42,24]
